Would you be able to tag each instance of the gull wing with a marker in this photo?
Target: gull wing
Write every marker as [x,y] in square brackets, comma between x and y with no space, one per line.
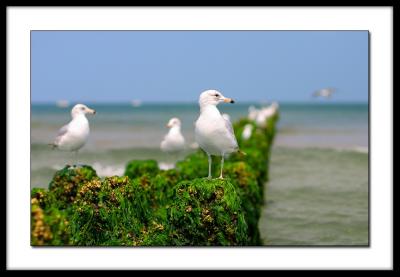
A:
[63,130]
[229,127]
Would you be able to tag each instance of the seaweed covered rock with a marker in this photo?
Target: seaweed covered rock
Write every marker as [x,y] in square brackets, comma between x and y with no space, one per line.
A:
[207,212]
[251,194]
[193,166]
[149,206]
[137,168]
[49,224]
[66,181]
[111,211]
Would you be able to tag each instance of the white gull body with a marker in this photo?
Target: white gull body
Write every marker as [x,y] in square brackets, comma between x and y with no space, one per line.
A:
[226,116]
[73,136]
[253,112]
[266,113]
[174,141]
[246,134]
[213,132]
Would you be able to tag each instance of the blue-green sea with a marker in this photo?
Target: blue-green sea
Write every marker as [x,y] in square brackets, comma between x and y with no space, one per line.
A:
[318,188]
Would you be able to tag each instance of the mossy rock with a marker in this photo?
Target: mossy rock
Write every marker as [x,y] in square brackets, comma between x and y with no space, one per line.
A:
[251,194]
[66,181]
[49,225]
[137,168]
[206,212]
[148,206]
[193,166]
[111,211]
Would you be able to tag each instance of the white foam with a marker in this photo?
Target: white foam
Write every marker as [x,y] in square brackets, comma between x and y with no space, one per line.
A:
[57,167]
[166,166]
[108,170]
[360,149]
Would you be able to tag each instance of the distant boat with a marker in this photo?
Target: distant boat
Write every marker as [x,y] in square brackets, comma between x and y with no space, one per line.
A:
[62,103]
[136,103]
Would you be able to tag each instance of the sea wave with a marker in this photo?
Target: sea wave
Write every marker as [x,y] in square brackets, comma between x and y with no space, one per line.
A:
[101,169]
[108,170]
[358,149]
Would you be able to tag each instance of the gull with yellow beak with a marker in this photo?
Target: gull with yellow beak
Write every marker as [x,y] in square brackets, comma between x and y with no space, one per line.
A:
[213,132]
[174,141]
[73,136]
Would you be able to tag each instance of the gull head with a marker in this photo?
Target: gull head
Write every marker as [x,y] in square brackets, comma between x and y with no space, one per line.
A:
[213,97]
[79,109]
[174,122]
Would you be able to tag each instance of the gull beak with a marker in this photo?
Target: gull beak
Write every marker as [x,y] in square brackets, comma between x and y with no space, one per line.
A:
[92,111]
[229,100]
[168,125]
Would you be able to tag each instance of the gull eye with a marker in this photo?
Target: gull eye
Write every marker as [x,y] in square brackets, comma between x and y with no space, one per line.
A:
[216,95]
[82,108]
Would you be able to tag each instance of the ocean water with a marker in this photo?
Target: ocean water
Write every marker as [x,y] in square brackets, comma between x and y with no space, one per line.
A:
[318,188]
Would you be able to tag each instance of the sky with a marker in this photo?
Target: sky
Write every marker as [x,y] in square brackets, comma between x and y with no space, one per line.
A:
[176,66]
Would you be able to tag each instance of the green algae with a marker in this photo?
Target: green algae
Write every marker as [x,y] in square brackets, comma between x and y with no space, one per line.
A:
[152,207]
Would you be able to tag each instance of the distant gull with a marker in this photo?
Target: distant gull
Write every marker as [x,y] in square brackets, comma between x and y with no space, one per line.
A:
[136,103]
[246,134]
[72,136]
[266,113]
[213,132]
[194,145]
[174,141]
[325,92]
[62,103]
[253,111]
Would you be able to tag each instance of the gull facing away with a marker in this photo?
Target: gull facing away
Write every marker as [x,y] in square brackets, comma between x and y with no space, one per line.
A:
[173,142]
[72,136]
[213,132]
[325,92]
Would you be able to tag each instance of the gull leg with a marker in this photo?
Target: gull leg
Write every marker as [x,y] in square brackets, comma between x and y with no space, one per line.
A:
[209,166]
[222,167]
[76,157]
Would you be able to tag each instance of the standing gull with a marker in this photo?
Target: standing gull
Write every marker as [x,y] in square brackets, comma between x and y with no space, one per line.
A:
[72,136]
[246,134]
[253,112]
[266,113]
[213,132]
[173,142]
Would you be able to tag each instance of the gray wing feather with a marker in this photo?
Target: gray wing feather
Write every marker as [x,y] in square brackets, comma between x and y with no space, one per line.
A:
[228,125]
[63,130]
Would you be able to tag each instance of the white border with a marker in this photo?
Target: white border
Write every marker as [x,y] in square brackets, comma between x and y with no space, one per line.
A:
[21,20]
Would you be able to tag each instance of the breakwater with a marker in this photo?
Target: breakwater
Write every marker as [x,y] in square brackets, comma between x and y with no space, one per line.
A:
[152,207]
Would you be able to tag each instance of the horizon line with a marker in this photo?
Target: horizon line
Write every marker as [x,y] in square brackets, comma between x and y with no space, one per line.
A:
[196,102]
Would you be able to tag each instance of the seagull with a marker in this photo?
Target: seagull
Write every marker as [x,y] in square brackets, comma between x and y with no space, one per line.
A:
[325,92]
[266,113]
[173,142]
[213,132]
[246,134]
[72,136]
[253,112]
